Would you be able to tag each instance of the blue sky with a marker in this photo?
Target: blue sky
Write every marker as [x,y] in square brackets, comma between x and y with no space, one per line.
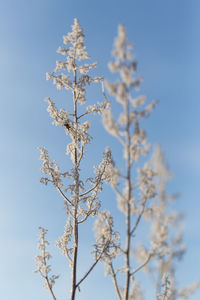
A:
[167,47]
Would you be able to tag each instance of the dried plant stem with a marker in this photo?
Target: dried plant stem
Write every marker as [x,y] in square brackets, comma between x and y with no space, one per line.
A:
[46,275]
[50,289]
[143,265]
[76,182]
[128,212]
[138,218]
[92,267]
[78,206]
[113,274]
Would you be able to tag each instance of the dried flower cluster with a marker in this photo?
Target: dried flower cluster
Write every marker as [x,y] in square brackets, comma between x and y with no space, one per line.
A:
[140,186]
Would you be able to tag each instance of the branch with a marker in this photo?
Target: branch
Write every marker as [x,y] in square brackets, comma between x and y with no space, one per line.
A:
[63,195]
[93,265]
[67,255]
[81,155]
[143,265]
[139,218]
[113,274]
[48,284]
[87,192]
[87,112]
[117,191]
[88,213]
[121,140]
[50,289]
[96,185]
[85,218]
[59,189]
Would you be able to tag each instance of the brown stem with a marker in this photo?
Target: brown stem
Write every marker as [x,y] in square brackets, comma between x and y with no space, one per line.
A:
[64,196]
[139,218]
[113,274]
[94,264]
[50,288]
[128,211]
[96,185]
[143,265]
[74,261]
[76,182]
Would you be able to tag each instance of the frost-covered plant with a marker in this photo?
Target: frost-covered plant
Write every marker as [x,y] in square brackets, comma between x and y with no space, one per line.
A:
[132,196]
[168,223]
[141,191]
[80,195]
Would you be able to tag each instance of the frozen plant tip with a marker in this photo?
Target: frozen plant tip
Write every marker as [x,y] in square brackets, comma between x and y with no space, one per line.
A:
[42,263]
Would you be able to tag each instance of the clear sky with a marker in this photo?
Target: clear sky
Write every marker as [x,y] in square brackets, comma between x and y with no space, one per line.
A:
[167,47]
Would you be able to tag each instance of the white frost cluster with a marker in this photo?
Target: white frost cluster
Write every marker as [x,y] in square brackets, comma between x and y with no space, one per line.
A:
[107,241]
[42,261]
[73,55]
[60,117]
[51,169]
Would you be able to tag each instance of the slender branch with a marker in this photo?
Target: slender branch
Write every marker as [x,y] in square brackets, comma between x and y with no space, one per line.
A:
[63,195]
[121,140]
[59,189]
[49,287]
[113,274]
[139,218]
[88,272]
[93,265]
[86,113]
[96,185]
[81,155]
[67,255]
[90,190]
[143,265]
[103,91]
[76,182]
[65,84]
[85,218]
[118,192]
[48,284]
[128,211]
[87,214]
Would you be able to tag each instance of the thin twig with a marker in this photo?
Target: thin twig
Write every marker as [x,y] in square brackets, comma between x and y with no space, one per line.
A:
[67,255]
[96,185]
[63,195]
[87,112]
[85,218]
[81,155]
[50,289]
[90,190]
[143,265]
[113,274]
[118,192]
[93,265]
[138,219]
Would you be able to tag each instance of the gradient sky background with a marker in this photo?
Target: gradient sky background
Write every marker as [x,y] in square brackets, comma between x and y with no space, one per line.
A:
[167,47]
